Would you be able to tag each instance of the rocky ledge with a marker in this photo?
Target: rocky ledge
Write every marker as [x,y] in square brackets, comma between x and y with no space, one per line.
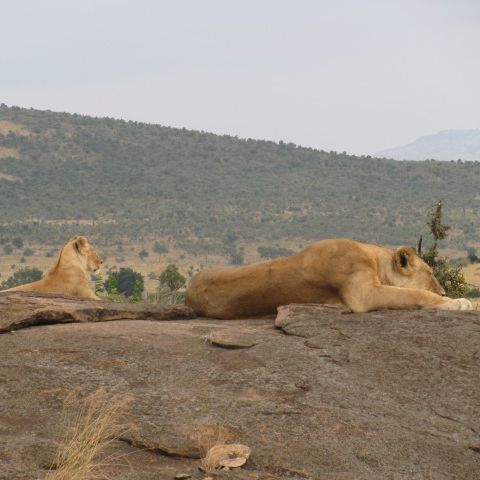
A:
[325,395]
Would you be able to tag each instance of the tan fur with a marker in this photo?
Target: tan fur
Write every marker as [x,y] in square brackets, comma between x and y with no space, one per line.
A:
[361,276]
[69,275]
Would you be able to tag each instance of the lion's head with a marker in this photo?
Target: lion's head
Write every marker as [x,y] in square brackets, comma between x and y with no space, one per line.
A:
[414,272]
[85,249]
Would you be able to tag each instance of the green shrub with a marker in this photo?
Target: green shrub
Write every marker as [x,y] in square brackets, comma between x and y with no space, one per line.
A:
[21,277]
[124,282]
[170,283]
[274,252]
[473,293]
[449,276]
[111,285]
[472,255]
[172,278]
[160,248]
[99,286]
[137,291]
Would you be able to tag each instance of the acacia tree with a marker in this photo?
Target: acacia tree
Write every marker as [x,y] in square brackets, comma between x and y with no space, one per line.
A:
[172,278]
[450,276]
[171,281]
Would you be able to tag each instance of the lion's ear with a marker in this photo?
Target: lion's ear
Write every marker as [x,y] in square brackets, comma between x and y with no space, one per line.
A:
[404,258]
[80,243]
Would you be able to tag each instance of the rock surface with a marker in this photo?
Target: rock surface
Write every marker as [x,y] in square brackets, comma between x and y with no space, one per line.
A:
[329,395]
[29,309]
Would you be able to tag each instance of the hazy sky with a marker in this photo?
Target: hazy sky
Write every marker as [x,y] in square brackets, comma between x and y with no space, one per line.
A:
[355,75]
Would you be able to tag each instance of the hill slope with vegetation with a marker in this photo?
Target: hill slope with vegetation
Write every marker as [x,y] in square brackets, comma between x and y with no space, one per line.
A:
[62,174]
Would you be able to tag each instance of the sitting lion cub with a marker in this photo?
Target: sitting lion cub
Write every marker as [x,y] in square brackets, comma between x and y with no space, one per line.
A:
[69,275]
[361,276]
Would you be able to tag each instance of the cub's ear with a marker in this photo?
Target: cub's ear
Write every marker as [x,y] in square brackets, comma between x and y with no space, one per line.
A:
[80,243]
[404,258]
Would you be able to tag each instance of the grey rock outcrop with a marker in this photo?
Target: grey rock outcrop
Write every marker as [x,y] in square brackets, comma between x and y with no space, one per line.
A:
[328,395]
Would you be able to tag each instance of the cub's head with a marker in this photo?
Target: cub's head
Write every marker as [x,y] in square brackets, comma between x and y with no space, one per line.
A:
[90,256]
[413,272]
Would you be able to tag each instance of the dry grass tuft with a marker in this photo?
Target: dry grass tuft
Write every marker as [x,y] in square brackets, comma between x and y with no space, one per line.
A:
[92,424]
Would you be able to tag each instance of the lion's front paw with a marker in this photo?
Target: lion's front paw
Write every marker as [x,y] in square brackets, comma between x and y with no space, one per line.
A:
[458,304]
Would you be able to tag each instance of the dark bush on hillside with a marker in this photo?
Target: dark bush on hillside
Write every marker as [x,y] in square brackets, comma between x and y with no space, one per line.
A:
[472,256]
[126,281]
[274,252]
[17,242]
[22,276]
[473,293]
[460,261]
[160,248]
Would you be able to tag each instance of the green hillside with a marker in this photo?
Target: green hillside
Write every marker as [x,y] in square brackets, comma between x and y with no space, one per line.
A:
[62,174]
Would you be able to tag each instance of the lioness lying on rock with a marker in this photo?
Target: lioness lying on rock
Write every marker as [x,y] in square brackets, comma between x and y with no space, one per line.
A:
[361,276]
[69,275]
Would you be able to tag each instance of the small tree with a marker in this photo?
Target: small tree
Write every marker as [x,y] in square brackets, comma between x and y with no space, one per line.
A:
[22,276]
[171,281]
[111,285]
[143,254]
[438,231]
[137,291]
[449,276]
[124,282]
[172,278]
[99,287]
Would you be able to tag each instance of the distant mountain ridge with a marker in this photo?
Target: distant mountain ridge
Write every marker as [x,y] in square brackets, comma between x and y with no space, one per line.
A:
[444,145]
